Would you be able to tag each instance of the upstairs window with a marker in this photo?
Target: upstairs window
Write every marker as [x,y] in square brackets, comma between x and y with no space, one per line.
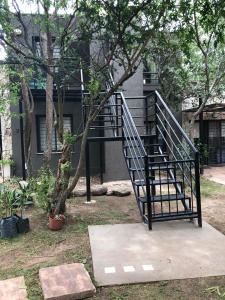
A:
[41,133]
[38,47]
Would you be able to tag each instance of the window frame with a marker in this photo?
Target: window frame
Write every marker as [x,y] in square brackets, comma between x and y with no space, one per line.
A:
[38,138]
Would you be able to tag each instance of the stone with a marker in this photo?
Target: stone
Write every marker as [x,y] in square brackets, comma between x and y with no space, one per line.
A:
[13,289]
[119,188]
[98,190]
[109,192]
[66,282]
[121,193]
[79,192]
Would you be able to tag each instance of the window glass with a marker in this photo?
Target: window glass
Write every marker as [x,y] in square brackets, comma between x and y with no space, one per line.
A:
[56,145]
[223,128]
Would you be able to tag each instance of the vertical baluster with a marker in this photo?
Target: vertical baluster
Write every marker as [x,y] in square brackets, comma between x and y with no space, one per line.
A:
[148,195]
[88,175]
[191,186]
[160,188]
[197,186]
[176,190]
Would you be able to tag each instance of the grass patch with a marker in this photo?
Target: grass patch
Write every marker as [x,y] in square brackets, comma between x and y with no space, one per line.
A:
[26,254]
[210,189]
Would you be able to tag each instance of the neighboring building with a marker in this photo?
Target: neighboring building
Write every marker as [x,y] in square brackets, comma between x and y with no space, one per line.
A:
[213,128]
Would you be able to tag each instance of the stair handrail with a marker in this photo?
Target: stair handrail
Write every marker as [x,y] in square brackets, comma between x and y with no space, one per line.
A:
[132,122]
[125,106]
[176,123]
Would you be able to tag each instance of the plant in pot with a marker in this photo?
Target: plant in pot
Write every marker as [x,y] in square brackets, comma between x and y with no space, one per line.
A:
[8,227]
[43,199]
[23,197]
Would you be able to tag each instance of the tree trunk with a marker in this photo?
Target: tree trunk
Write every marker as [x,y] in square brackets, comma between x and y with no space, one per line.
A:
[28,110]
[62,179]
[62,191]
[49,120]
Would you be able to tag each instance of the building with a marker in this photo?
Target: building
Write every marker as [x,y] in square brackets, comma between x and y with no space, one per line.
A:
[209,128]
[101,154]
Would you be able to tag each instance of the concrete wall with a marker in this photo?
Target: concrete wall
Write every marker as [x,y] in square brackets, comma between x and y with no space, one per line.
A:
[72,108]
[115,167]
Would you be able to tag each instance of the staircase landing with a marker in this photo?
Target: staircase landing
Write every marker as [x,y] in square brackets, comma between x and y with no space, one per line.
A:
[129,253]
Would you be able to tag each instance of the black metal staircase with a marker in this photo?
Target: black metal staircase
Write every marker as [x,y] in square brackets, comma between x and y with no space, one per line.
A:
[162,162]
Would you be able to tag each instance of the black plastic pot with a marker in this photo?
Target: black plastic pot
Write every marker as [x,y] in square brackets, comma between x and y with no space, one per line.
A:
[8,228]
[22,224]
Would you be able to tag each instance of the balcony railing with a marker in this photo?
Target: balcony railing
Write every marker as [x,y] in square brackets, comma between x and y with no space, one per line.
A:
[150,78]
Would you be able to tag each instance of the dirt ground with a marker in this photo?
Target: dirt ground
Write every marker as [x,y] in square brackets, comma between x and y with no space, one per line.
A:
[215,173]
[26,254]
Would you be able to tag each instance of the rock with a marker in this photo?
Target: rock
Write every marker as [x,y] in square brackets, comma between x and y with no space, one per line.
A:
[121,193]
[98,190]
[70,281]
[109,192]
[119,188]
[79,192]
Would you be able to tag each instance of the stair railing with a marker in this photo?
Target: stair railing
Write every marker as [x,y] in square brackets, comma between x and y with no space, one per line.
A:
[133,147]
[182,153]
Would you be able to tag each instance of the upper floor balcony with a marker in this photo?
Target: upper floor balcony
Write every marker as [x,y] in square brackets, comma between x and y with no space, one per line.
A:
[150,81]
[150,78]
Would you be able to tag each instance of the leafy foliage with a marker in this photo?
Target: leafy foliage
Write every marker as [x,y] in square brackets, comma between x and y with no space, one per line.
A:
[7,200]
[44,189]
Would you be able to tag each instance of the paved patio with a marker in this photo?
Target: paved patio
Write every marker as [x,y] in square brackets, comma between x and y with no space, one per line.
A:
[216,174]
[129,253]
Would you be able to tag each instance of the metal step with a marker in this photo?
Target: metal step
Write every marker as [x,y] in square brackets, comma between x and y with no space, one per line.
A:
[103,121]
[146,146]
[105,106]
[105,127]
[172,216]
[149,155]
[163,198]
[108,116]
[156,182]
[153,168]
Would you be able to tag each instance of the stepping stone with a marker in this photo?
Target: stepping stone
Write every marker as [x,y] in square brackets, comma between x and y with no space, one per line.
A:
[65,282]
[13,289]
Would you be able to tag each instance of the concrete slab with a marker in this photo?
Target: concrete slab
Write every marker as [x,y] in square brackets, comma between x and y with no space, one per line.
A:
[129,253]
[66,282]
[13,289]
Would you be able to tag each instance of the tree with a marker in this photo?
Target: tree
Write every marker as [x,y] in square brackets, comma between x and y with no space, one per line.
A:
[189,53]
[164,52]
[8,97]
[200,30]
[122,30]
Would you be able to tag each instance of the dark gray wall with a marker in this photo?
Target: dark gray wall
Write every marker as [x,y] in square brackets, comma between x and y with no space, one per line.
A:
[16,142]
[72,108]
[116,168]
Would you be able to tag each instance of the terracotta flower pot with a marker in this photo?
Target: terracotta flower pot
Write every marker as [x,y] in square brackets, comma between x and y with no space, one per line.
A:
[56,222]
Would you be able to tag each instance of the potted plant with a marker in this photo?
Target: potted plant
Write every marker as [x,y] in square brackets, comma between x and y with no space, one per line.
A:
[43,199]
[8,227]
[56,222]
[23,197]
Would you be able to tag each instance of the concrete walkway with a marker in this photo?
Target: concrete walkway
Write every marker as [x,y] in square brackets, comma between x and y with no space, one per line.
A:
[216,174]
[129,253]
